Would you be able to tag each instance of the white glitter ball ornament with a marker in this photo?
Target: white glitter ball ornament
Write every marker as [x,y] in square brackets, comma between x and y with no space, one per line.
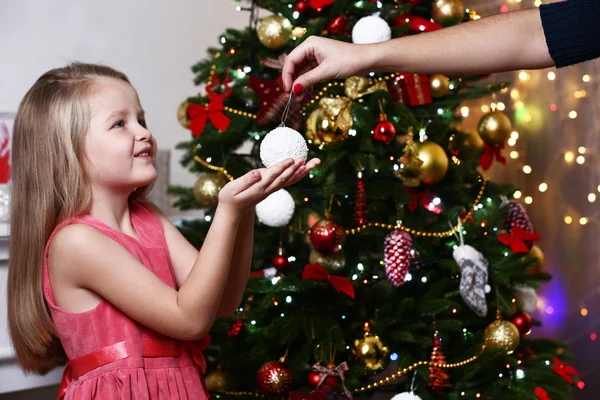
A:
[277,209]
[406,396]
[282,143]
[371,29]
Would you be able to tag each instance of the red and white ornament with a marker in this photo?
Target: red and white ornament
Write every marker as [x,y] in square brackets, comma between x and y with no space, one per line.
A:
[517,217]
[274,379]
[397,256]
[327,236]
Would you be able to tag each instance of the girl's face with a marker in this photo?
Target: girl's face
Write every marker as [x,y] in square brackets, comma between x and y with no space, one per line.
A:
[119,149]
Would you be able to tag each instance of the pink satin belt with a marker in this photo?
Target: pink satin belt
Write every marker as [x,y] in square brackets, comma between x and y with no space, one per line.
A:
[79,366]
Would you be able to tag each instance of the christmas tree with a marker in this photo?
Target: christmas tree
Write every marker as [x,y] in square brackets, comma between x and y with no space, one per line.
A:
[395,244]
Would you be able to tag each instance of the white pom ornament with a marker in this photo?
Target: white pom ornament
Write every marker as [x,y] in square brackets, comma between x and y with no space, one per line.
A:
[277,209]
[282,143]
[371,29]
[406,396]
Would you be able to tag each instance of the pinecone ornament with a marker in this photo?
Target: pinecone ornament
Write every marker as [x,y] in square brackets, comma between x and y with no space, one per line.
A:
[517,216]
[397,256]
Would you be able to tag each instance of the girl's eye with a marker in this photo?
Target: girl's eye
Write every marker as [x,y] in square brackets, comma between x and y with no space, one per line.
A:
[142,122]
[119,124]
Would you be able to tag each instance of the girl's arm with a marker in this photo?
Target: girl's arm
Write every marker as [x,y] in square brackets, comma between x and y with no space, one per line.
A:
[183,255]
[83,259]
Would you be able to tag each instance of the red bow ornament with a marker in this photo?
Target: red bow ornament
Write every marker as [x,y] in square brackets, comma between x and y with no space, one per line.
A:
[516,239]
[541,394]
[491,152]
[425,197]
[339,283]
[214,112]
[564,370]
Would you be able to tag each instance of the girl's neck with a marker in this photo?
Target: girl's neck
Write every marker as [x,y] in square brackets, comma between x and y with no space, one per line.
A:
[113,210]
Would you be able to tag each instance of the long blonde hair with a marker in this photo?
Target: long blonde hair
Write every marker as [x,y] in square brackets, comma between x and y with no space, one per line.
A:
[48,187]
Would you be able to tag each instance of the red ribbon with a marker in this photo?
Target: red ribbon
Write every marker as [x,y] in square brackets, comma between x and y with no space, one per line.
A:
[491,152]
[339,283]
[318,4]
[216,82]
[516,239]
[79,366]
[564,370]
[213,112]
[541,394]
[425,197]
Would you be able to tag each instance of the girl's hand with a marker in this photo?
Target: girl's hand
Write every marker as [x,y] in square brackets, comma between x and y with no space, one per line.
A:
[319,59]
[242,194]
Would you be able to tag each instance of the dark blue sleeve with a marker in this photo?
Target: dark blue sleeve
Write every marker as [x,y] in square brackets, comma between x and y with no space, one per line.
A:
[572,30]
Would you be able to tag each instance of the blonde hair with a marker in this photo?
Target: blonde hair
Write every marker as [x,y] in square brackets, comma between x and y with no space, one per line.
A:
[48,187]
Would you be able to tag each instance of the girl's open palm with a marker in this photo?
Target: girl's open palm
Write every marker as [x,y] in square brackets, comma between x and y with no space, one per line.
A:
[243,193]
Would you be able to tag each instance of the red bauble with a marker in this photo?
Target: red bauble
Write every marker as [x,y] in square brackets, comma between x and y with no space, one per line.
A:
[384,131]
[274,379]
[281,262]
[338,26]
[301,6]
[522,321]
[327,236]
[314,378]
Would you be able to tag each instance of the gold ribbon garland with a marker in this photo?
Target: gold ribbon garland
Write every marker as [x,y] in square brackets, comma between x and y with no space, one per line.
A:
[213,168]
[389,227]
[413,232]
[390,378]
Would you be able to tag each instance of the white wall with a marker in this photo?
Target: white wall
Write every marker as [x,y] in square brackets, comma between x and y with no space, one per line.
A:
[155,42]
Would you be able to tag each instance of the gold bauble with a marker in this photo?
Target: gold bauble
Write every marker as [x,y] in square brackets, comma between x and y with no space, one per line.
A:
[466,144]
[444,10]
[274,31]
[332,262]
[494,127]
[299,31]
[435,162]
[537,253]
[439,85]
[371,351]
[182,115]
[218,381]
[206,189]
[330,122]
[501,335]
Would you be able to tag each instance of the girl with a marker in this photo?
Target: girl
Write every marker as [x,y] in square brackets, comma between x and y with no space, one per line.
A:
[97,276]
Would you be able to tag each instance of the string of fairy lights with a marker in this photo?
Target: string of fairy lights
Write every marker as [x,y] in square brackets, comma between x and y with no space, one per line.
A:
[574,97]
[581,156]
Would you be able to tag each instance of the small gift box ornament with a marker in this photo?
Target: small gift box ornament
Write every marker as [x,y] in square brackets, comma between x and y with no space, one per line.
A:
[410,89]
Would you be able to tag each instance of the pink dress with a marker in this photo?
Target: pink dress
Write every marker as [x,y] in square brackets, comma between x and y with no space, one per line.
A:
[111,356]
